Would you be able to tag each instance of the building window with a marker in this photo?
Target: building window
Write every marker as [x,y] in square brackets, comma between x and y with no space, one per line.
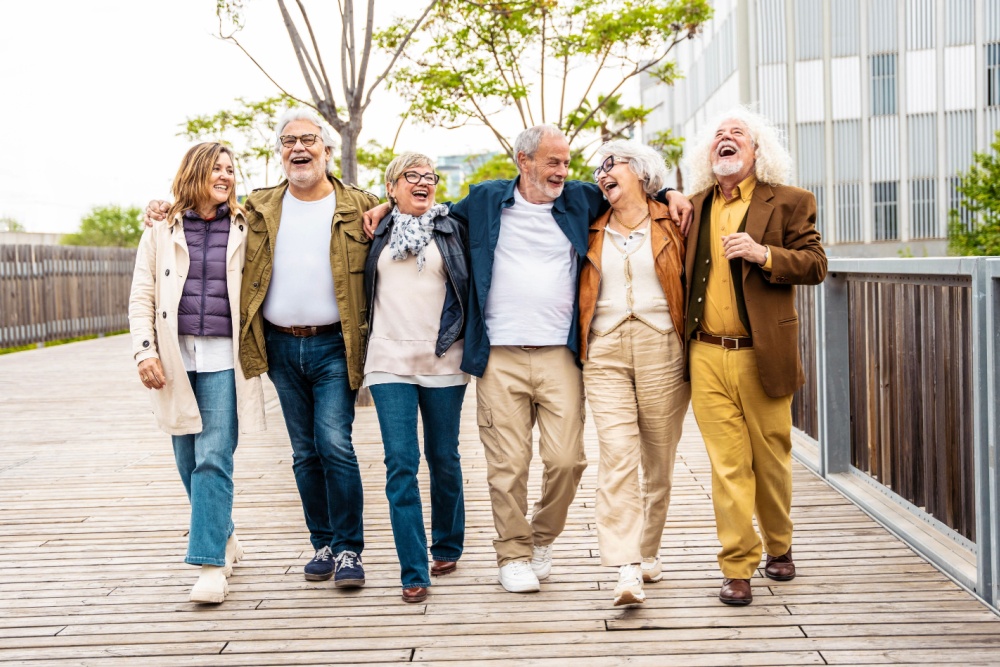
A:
[923,209]
[883,70]
[956,203]
[993,75]
[848,220]
[885,218]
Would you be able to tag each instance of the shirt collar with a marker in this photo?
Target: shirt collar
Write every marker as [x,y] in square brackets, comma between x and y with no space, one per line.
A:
[744,190]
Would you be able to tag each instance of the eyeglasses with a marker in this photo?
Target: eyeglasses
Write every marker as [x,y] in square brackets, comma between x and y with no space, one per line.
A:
[606,166]
[289,140]
[414,177]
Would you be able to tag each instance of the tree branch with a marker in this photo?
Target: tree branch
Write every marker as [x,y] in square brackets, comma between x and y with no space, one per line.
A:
[398,52]
[324,79]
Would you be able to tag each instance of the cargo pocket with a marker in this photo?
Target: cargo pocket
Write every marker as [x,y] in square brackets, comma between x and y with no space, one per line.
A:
[488,434]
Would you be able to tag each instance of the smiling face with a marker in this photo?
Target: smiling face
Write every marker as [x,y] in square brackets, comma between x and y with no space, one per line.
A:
[221,180]
[733,150]
[305,166]
[620,184]
[543,176]
[413,198]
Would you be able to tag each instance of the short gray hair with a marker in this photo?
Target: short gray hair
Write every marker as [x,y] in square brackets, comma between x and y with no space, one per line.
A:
[772,162]
[527,141]
[645,163]
[305,113]
[401,163]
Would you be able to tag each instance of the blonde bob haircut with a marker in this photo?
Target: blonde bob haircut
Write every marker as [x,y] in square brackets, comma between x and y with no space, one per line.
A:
[401,163]
[772,163]
[192,186]
[644,162]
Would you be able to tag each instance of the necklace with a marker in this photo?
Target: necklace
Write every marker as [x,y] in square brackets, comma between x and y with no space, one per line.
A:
[632,228]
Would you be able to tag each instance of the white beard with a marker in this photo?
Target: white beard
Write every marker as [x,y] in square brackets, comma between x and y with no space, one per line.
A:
[727,168]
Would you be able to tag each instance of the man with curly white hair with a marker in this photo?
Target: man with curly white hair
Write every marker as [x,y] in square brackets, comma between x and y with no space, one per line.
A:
[753,238]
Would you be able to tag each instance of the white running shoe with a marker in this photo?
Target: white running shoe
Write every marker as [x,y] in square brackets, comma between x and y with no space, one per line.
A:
[211,587]
[652,570]
[629,588]
[541,561]
[517,577]
[234,552]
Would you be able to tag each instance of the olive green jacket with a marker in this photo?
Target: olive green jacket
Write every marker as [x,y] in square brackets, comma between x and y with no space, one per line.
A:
[348,252]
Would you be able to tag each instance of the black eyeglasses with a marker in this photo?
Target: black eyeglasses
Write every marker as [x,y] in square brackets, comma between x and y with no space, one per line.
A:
[289,140]
[606,166]
[414,177]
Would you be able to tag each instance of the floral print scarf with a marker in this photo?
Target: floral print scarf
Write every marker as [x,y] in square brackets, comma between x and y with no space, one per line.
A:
[411,234]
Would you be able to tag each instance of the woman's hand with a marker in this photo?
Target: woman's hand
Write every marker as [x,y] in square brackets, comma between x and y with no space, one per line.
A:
[151,373]
[374,216]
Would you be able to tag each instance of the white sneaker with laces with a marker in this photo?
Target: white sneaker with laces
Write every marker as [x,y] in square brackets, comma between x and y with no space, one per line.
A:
[541,561]
[211,587]
[518,577]
[234,552]
[652,570]
[629,588]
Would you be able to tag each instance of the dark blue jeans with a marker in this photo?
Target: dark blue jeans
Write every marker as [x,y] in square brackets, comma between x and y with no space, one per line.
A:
[441,411]
[317,402]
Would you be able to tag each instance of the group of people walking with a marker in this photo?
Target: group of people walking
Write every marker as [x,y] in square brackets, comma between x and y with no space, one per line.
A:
[547,290]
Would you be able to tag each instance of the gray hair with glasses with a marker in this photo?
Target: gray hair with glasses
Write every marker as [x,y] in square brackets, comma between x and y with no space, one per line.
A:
[527,141]
[401,163]
[645,163]
[305,113]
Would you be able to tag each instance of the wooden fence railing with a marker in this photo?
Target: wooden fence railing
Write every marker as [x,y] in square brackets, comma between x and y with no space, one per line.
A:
[53,292]
[805,411]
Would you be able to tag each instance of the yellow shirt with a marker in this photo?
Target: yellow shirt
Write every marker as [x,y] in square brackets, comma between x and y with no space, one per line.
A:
[721,316]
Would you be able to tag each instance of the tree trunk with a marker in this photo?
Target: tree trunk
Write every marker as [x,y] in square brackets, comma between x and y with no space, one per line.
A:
[349,155]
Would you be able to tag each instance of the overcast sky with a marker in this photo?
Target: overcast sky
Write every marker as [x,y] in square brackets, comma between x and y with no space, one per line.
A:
[94,92]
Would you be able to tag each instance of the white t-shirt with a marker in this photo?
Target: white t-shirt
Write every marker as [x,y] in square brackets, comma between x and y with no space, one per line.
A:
[534,278]
[301,290]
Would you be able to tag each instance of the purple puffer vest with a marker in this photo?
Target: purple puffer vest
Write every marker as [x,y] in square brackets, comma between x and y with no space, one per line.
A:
[204,306]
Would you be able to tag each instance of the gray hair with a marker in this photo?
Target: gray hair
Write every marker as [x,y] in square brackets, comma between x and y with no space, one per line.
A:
[528,140]
[305,113]
[401,163]
[645,163]
[772,164]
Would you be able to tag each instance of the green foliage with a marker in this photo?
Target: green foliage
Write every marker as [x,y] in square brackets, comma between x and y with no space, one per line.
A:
[373,158]
[541,60]
[248,129]
[980,188]
[9,224]
[108,226]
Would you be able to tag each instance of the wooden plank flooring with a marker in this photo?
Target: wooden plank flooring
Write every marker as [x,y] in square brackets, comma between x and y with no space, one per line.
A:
[93,524]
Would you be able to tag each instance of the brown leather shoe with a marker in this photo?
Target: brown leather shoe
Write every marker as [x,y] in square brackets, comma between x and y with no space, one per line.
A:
[780,568]
[416,594]
[442,567]
[736,592]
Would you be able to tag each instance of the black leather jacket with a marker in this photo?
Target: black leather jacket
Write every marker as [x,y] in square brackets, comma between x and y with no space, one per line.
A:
[452,241]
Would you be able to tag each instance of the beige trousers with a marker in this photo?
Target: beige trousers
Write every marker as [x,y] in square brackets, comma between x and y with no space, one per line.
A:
[635,384]
[748,436]
[519,387]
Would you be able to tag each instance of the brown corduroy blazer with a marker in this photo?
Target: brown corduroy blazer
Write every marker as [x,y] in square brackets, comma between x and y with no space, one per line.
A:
[784,218]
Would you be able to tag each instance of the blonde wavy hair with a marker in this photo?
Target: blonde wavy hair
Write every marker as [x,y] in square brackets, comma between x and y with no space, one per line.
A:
[192,185]
[772,163]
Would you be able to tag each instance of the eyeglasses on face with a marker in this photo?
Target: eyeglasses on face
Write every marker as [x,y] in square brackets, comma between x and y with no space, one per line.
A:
[608,164]
[289,140]
[415,177]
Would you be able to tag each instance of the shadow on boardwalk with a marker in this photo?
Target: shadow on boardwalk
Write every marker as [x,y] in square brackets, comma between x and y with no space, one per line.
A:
[92,535]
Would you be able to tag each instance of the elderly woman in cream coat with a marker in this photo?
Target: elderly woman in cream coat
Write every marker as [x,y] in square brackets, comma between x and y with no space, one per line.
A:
[184,319]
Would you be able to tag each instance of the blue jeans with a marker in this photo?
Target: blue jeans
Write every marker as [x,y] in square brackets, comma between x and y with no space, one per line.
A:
[317,402]
[441,411]
[205,462]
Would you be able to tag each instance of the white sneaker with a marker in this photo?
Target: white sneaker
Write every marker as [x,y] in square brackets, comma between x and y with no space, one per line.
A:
[541,561]
[629,588]
[517,577]
[234,552]
[211,587]
[652,570]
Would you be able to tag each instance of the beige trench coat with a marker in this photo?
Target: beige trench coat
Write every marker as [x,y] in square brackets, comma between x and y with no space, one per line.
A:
[161,266]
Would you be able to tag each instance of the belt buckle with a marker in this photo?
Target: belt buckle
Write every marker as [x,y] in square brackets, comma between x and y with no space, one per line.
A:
[735,342]
[303,332]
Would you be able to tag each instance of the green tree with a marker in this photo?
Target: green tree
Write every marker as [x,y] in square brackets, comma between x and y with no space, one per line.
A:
[672,150]
[10,224]
[248,129]
[980,188]
[542,61]
[108,226]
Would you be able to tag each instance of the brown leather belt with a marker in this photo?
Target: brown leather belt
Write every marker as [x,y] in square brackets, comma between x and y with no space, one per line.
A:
[724,341]
[306,332]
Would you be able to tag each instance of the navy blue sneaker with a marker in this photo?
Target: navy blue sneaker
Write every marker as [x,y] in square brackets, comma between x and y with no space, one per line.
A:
[350,573]
[320,568]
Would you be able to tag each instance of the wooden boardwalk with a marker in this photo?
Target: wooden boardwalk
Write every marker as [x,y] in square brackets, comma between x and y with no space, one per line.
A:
[92,535]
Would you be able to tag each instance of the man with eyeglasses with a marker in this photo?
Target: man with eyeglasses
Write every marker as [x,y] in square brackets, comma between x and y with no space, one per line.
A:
[528,238]
[303,320]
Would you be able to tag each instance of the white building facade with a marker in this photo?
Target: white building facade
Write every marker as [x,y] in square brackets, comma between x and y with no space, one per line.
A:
[883,103]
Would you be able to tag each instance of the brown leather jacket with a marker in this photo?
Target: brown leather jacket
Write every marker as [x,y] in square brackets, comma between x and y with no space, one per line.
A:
[668,254]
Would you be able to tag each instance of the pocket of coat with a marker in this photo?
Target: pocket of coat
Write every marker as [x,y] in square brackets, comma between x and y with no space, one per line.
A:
[488,434]
[788,321]
[357,250]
